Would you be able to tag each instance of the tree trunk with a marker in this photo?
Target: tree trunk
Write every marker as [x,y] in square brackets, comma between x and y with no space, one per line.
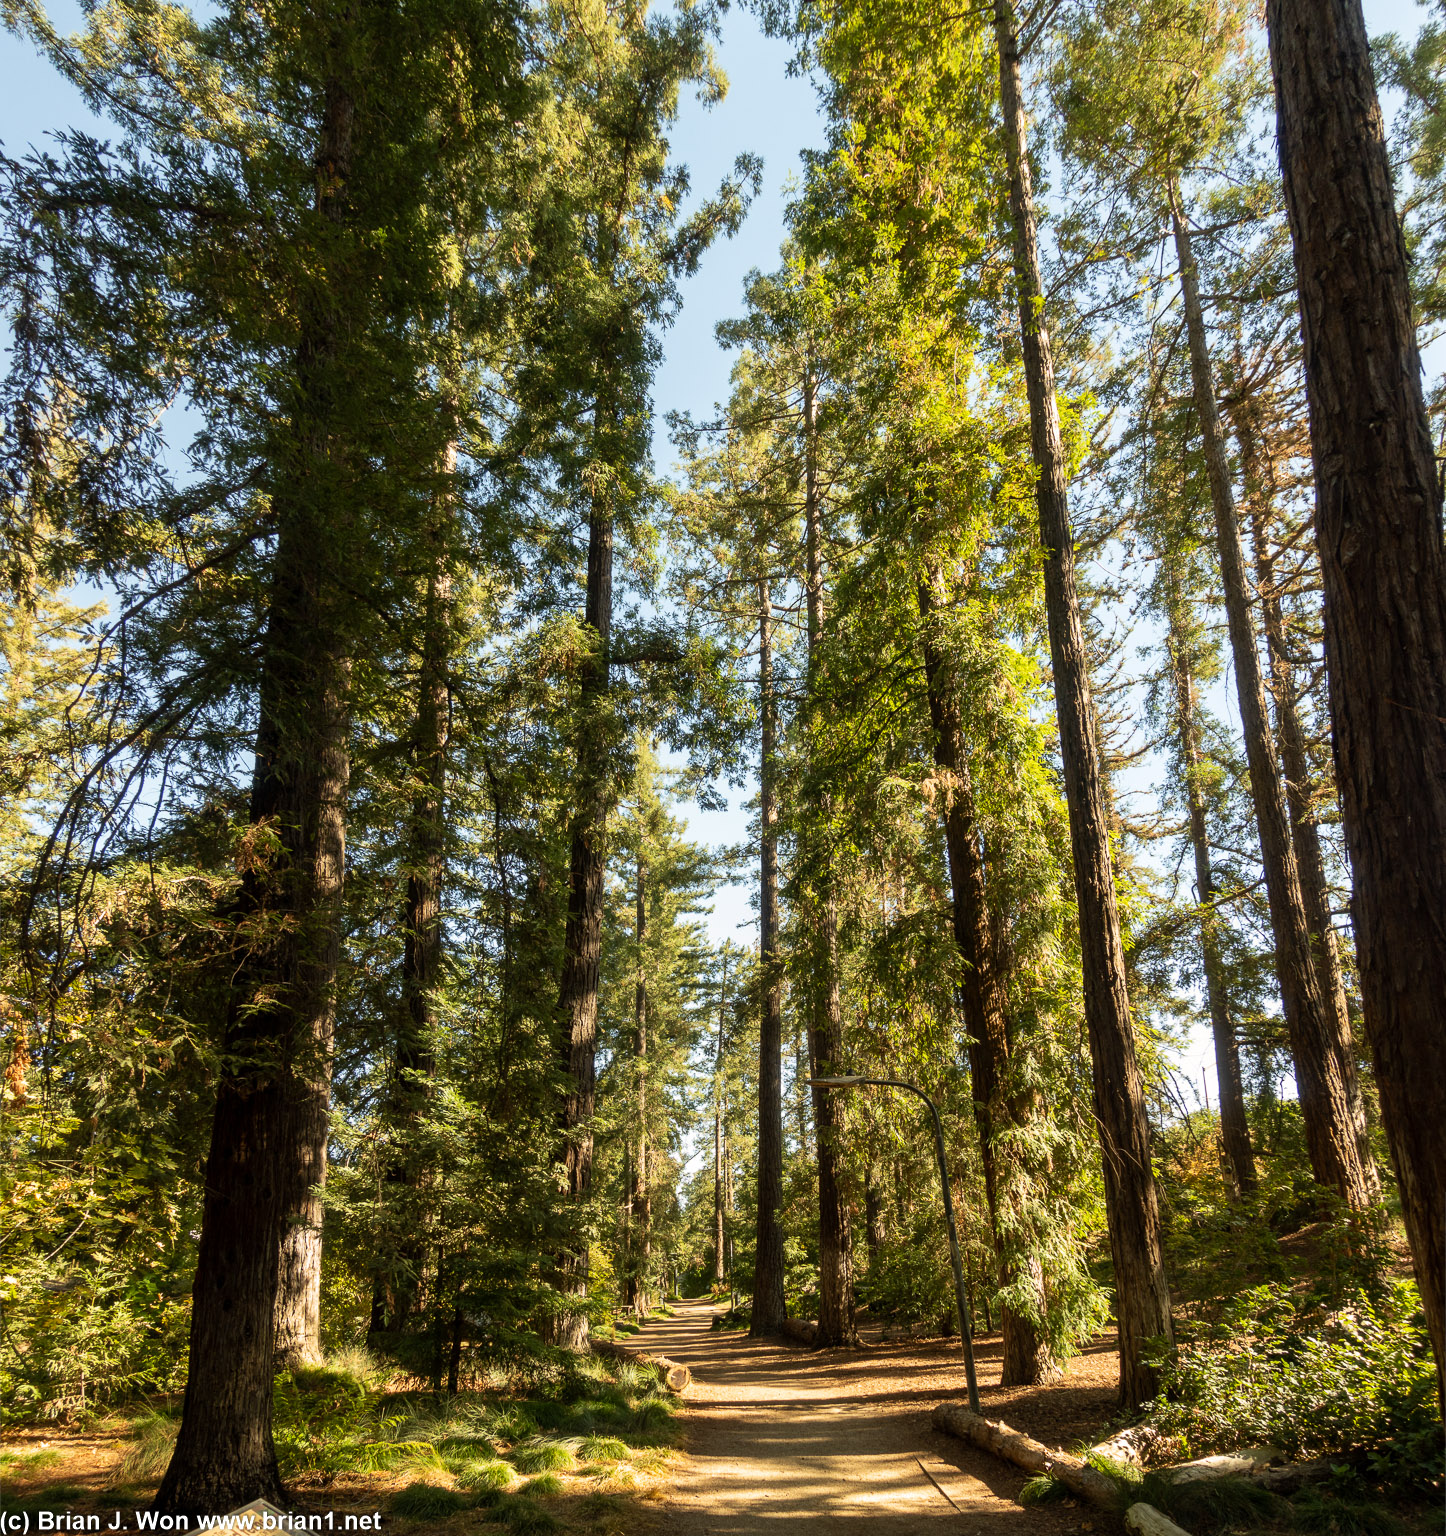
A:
[876,1232]
[825,1043]
[642,1205]
[997,1111]
[582,940]
[1234,1128]
[1320,1072]
[413,1061]
[1142,1290]
[1378,528]
[1305,836]
[273,1098]
[769,1307]
[718,1180]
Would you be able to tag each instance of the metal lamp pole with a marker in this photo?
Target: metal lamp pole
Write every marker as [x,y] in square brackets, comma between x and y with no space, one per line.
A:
[966,1331]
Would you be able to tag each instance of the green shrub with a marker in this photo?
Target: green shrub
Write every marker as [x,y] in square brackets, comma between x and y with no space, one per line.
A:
[526,1517]
[541,1455]
[1358,1383]
[652,1412]
[912,1282]
[428,1501]
[505,1421]
[153,1438]
[546,1486]
[474,1476]
[604,1448]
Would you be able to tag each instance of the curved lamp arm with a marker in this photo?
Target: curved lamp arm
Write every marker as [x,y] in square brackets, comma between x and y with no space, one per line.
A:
[961,1295]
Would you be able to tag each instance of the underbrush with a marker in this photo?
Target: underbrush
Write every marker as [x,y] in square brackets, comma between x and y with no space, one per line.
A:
[1356,1382]
[582,1410]
[578,1427]
[1342,1506]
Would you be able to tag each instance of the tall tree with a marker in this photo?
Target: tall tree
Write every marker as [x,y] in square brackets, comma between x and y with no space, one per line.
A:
[613,277]
[769,1305]
[1143,1294]
[1379,532]
[1000,1107]
[825,1039]
[720,1112]
[1319,1032]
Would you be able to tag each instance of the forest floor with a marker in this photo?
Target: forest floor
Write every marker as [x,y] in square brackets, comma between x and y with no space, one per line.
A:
[781,1439]
[774,1438]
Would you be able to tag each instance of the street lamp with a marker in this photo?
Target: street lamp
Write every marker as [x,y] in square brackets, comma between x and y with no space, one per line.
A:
[961,1297]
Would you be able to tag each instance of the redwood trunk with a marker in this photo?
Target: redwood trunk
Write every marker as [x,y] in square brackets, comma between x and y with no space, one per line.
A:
[273,1098]
[825,1040]
[769,1307]
[718,1089]
[582,940]
[1305,836]
[1027,1358]
[414,1053]
[641,1197]
[1320,1072]
[1234,1128]
[1132,1211]
[1379,532]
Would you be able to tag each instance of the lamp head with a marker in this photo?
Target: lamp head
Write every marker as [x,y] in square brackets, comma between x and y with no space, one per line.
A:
[833,1082]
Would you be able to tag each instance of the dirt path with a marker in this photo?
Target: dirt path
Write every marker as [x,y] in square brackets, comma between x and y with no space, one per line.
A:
[783,1441]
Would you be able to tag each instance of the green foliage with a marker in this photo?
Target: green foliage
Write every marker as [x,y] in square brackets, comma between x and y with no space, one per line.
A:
[428,1501]
[524,1517]
[1322,1510]
[153,1438]
[603,1448]
[543,1455]
[912,1281]
[1356,1383]
[545,1486]
[652,1414]
[1203,1504]
[475,1475]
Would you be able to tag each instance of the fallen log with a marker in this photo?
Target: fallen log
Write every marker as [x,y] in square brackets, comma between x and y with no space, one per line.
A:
[1146,1520]
[800,1330]
[1254,1458]
[1008,1444]
[1134,1446]
[1293,1475]
[677,1376]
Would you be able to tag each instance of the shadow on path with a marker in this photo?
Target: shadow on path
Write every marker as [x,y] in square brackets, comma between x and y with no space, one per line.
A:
[784,1440]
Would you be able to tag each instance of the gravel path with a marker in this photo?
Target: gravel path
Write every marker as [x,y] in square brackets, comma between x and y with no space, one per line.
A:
[783,1440]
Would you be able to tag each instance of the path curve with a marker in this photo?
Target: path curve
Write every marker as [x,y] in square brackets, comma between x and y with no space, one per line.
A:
[781,1441]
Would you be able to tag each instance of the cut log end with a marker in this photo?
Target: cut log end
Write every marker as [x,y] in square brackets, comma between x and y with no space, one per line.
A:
[678,1377]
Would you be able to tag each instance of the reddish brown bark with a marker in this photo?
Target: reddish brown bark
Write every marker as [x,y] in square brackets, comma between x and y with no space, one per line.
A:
[769,1306]
[1321,1071]
[1234,1128]
[273,1098]
[640,1198]
[825,1037]
[1027,1357]
[1142,1291]
[1379,533]
[1299,792]
[582,940]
